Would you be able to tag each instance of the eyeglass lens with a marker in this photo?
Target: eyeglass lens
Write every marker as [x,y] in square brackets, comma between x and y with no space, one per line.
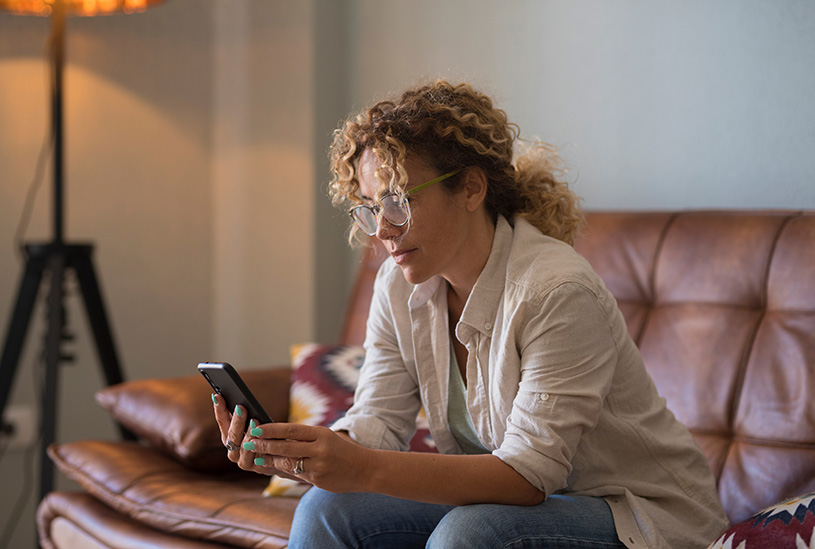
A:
[393,208]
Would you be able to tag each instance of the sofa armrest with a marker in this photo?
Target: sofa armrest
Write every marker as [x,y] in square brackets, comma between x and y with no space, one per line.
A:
[175,414]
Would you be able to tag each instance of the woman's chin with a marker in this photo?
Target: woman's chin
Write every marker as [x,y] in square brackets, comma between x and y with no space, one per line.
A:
[412,275]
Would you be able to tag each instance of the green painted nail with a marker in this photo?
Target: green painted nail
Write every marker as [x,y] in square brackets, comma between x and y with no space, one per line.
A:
[252,424]
[256,432]
[214,399]
[238,411]
[260,461]
[248,445]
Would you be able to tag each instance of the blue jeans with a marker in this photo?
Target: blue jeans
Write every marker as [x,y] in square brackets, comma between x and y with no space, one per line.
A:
[324,520]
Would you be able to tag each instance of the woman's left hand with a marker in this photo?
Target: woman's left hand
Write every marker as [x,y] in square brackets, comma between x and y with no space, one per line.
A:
[316,455]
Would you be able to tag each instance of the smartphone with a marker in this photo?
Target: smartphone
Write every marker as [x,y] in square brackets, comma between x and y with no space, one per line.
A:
[226,382]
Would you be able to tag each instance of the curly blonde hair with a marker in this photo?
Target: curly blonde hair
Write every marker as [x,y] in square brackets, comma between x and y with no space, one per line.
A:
[453,127]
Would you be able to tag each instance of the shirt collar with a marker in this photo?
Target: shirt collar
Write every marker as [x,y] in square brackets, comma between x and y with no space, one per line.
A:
[482,305]
[423,292]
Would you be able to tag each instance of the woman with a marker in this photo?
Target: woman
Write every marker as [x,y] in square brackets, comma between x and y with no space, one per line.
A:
[550,431]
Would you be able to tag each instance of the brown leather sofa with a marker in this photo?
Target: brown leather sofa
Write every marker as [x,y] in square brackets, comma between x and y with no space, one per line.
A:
[722,305]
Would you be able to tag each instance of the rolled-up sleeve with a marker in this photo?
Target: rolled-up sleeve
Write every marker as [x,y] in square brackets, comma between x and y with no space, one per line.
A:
[568,360]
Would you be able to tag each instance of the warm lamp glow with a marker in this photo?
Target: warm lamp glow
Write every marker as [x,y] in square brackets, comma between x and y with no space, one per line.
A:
[54,259]
[76,7]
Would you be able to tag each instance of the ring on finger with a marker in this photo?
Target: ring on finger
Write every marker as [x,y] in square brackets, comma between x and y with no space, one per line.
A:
[298,467]
[231,446]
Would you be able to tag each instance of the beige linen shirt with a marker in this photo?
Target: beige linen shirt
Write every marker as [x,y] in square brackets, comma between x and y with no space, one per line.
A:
[555,386]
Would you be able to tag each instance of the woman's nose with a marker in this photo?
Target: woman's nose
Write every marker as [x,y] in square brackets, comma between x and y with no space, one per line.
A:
[384,230]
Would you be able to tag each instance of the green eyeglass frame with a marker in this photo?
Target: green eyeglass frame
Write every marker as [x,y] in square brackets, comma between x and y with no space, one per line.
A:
[394,208]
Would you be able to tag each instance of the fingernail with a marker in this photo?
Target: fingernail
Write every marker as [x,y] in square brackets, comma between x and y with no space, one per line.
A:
[238,411]
[248,445]
[214,399]
[252,424]
[260,461]
[256,432]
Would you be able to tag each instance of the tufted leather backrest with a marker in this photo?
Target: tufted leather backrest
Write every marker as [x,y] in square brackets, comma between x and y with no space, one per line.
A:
[722,307]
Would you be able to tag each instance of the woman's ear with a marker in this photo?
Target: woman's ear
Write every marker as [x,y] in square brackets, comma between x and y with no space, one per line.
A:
[475,188]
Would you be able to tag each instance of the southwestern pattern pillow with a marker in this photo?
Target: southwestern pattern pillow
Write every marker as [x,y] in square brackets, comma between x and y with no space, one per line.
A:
[324,378]
[786,525]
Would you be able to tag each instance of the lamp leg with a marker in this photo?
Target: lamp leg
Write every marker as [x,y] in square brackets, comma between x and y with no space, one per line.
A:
[82,263]
[50,393]
[18,325]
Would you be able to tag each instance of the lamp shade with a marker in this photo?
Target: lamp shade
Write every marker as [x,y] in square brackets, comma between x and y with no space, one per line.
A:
[76,7]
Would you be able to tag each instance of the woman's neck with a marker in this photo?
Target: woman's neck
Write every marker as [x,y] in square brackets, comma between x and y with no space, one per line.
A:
[478,251]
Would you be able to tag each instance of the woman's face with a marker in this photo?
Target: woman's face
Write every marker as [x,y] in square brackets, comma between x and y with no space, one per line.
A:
[434,242]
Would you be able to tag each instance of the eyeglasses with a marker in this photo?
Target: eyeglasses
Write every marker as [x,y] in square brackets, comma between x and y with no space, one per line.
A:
[393,207]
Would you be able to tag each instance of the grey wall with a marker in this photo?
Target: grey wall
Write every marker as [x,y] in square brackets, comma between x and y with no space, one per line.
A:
[663,104]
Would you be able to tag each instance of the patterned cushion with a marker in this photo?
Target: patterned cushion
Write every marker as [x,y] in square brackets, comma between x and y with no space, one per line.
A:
[324,378]
[786,525]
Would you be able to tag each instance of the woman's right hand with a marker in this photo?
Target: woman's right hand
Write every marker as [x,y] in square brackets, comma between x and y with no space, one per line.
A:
[232,426]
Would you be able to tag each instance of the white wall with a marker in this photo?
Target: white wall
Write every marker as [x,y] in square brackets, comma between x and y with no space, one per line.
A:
[665,104]
[138,117]
[263,180]
[190,165]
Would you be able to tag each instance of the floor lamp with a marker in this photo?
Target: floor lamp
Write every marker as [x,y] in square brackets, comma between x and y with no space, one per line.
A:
[55,258]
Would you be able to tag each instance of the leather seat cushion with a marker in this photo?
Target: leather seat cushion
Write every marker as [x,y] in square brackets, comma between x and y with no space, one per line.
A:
[155,490]
[77,519]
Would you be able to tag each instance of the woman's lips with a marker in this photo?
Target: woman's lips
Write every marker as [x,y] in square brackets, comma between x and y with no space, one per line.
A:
[400,255]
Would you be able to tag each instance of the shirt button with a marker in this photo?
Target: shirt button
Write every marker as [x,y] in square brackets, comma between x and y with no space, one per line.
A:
[544,396]
[487,326]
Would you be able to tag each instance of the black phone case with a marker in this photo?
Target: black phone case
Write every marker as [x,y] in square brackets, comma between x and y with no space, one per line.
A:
[226,382]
